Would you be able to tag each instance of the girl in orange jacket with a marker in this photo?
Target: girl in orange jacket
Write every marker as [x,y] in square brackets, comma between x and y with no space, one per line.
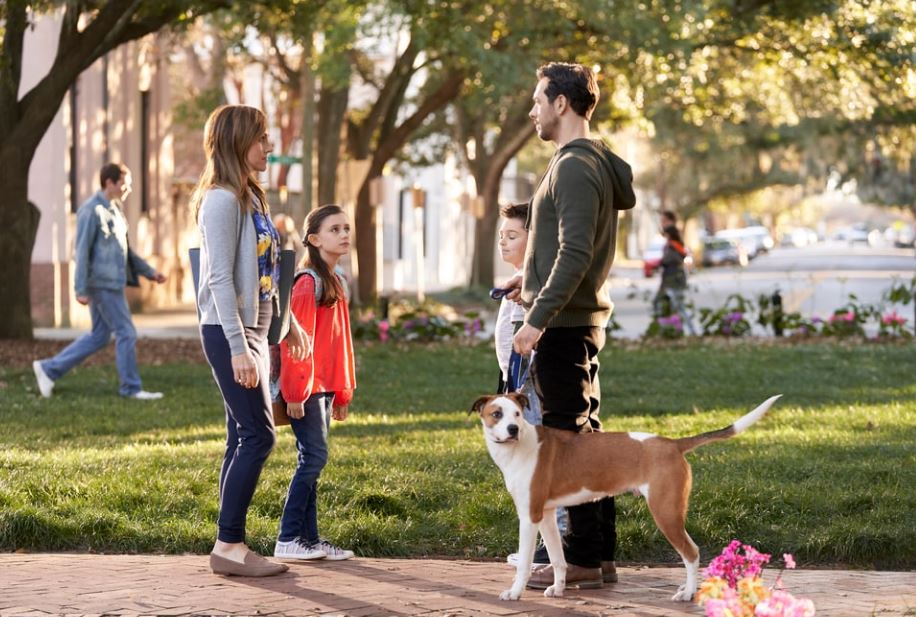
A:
[321,386]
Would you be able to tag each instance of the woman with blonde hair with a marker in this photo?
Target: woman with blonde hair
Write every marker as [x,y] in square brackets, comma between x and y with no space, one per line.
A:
[237,298]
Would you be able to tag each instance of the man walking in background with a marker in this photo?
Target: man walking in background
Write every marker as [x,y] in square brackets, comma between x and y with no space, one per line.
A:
[105,265]
[572,228]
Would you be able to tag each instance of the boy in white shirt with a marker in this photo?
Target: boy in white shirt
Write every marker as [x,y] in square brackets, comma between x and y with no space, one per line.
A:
[513,239]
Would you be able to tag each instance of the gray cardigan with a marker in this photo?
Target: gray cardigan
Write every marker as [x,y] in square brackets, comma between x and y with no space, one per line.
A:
[228,293]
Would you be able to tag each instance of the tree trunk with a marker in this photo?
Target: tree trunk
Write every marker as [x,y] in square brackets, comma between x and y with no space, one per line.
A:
[365,238]
[482,269]
[18,228]
[332,107]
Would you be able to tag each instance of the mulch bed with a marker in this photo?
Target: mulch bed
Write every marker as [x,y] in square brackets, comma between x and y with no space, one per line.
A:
[18,354]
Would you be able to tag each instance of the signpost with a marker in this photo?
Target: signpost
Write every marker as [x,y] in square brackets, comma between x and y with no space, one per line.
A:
[284,159]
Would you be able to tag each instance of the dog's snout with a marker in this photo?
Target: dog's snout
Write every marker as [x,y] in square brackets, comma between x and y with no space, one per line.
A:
[512,429]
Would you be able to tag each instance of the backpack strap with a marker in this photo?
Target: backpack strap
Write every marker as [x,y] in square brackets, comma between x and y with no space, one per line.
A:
[318,284]
[341,277]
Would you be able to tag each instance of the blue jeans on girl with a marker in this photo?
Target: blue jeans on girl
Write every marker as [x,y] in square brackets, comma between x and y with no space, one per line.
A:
[300,514]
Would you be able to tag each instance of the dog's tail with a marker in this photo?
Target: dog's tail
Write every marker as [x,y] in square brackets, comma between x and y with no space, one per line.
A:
[689,443]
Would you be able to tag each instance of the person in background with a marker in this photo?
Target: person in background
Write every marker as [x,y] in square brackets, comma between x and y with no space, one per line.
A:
[237,298]
[289,236]
[320,386]
[673,286]
[667,218]
[104,263]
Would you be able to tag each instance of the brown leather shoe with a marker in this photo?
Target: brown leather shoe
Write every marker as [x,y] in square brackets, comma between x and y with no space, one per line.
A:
[576,576]
[609,571]
[254,565]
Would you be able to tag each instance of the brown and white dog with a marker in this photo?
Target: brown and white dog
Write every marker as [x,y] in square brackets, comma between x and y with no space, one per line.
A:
[545,468]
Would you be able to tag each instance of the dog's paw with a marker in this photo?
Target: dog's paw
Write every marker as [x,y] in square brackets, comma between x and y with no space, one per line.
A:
[509,594]
[554,591]
[683,595]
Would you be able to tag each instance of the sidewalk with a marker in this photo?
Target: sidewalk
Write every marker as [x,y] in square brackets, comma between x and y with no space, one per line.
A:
[80,584]
[178,322]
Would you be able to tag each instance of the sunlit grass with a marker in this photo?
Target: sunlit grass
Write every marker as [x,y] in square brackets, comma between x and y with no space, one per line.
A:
[828,475]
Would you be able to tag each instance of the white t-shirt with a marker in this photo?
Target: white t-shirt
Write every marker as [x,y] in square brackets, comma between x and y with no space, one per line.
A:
[509,314]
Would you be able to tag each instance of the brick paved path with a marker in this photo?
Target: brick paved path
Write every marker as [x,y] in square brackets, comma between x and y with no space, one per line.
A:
[77,584]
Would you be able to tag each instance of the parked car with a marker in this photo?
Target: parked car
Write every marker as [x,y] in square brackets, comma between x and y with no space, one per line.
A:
[652,257]
[756,239]
[857,233]
[721,251]
[799,237]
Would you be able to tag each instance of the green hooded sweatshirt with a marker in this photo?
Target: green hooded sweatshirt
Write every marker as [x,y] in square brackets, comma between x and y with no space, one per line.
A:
[572,236]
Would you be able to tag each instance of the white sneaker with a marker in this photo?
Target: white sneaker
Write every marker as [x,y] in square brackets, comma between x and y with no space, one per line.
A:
[45,383]
[334,553]
[297,549]
[143,395]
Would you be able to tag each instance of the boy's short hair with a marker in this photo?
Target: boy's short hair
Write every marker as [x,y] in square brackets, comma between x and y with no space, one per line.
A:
[514,211]
[113,172]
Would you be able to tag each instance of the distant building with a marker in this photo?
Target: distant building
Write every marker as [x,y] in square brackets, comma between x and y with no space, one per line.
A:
[118,110]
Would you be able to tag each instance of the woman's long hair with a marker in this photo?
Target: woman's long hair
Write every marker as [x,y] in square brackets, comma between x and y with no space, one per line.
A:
[331,289]
[229,133]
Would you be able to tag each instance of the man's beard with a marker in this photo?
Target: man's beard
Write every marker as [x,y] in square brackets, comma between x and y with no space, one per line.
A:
[547,131]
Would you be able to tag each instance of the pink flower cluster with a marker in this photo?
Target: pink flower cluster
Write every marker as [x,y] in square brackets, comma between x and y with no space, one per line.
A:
[733,565]
[673,321]
[848,317]
[784,604]
[383,327]
[734,588]
[893,319]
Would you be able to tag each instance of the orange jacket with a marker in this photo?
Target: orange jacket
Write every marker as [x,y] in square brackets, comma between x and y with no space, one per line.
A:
[330,367]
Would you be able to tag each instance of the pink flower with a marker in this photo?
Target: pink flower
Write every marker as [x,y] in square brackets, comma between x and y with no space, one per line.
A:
[850,316]
[383,327]
[784,604]
[789,560]
[893,319]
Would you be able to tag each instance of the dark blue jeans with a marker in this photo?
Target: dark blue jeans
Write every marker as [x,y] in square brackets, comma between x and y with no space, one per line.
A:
[300,514]
[250,434]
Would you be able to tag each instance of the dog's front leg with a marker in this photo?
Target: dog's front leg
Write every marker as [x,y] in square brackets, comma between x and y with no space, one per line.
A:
[551,534]
[527,535]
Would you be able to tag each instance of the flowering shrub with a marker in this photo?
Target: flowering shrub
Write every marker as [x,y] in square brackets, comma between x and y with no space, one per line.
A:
[849,320]
[670,327]
[892,324]
[414,324]
[729,320]
[734,588]
[795,325]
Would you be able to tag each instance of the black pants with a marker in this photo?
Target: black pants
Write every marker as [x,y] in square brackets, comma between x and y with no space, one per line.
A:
[565,373]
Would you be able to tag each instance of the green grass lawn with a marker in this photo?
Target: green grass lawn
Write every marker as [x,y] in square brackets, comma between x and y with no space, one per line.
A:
[829,474]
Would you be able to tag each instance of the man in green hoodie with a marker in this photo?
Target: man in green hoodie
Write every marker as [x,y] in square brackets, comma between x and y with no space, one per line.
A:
[572,237]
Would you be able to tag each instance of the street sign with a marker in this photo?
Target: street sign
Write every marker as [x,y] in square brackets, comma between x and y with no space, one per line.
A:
[283,159]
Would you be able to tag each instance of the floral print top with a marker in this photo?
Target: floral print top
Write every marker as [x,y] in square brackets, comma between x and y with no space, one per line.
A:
[268,256]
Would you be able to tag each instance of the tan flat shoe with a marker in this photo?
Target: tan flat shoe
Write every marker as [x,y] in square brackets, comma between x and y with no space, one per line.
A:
[254,565]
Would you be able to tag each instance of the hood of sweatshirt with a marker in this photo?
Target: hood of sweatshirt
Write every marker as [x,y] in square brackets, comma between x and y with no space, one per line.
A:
[617,170]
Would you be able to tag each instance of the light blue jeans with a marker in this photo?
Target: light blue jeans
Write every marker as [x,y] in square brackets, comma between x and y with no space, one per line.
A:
[300,514]
[110,315]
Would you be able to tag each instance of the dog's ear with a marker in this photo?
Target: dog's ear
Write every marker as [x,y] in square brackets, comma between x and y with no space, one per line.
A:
[479,404]
[520,399]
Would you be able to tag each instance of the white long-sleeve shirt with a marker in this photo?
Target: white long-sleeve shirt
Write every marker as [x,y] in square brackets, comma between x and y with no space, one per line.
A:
[509,314]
